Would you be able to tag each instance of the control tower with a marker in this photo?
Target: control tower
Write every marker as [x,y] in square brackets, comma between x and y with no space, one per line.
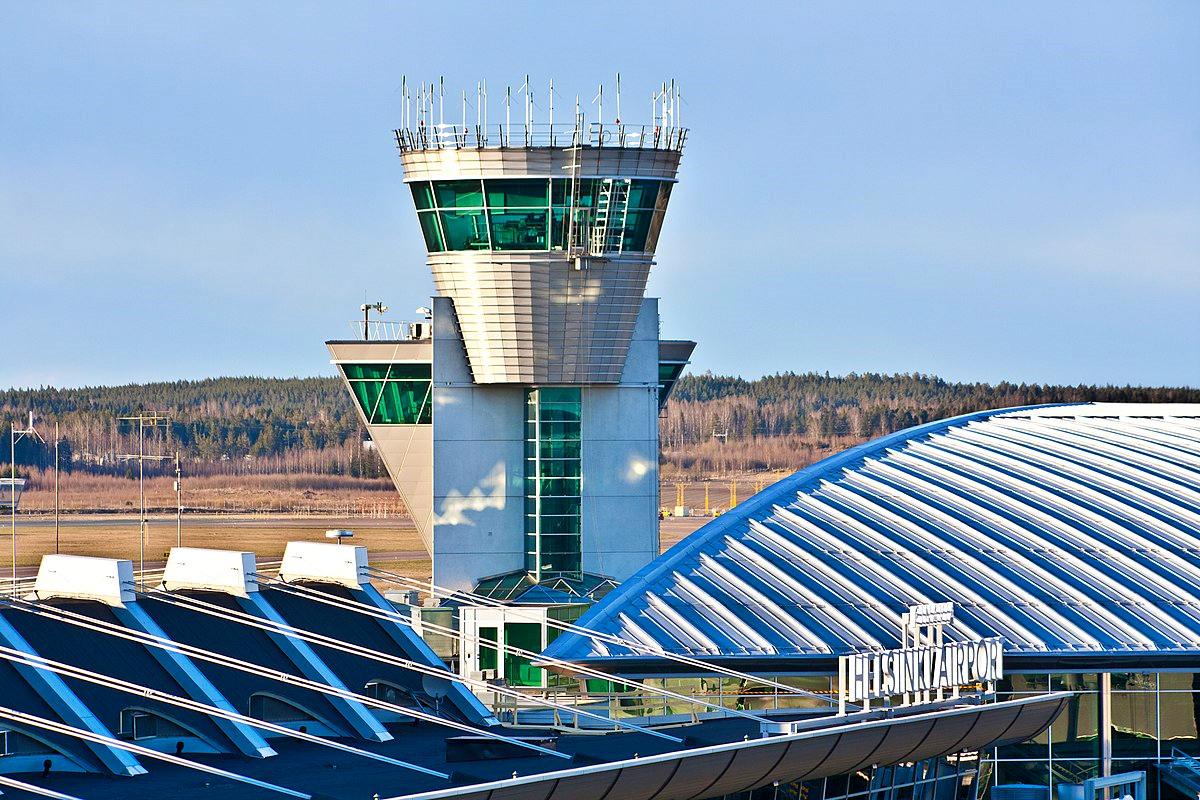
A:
[519,419]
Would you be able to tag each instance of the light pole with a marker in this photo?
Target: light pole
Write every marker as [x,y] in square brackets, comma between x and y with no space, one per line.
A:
[14,436]
[178,503]
[56,441]
[144,420]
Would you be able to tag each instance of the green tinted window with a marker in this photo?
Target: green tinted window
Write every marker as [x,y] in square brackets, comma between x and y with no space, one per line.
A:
[392,394]
[643,194]
[431,231]
[524,230]
[553,483]
[417,371]
[422,194]
[488,653]
[459,194]
[637,227]
[532,213]
[465,230]
[517,193]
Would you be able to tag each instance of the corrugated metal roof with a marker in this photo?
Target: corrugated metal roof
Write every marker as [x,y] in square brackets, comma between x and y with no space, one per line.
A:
[1069,529]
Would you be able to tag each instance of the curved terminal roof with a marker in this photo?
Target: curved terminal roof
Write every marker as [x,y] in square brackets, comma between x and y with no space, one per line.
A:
[836,749]
[1070,530]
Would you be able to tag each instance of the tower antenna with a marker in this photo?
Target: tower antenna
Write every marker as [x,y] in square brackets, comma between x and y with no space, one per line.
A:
[599,100]
[404,102]
[552,107]
[618,98]
[442,100]
[507,115]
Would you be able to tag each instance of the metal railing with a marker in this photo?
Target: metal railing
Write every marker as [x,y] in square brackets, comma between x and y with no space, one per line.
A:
[645,708]
[385,330]
[457,137]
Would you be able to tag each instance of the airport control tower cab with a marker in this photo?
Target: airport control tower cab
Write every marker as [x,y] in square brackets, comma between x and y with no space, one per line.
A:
[519,419]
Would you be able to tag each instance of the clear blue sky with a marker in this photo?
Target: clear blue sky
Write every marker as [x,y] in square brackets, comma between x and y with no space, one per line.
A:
[985,191]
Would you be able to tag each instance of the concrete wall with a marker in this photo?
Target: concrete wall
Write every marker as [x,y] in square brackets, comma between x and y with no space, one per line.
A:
[478,471]
[620,460]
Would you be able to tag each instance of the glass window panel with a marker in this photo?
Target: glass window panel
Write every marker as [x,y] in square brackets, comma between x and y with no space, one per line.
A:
[1135,724]
[465,230]
[1038,747]
[422,194]
[431,231]
[488,653]
[517,193]
[643,194]
[1036,773]
[404,403]
[637,227]
[558,229]
[564,448]
[1074,682]
[560,191]
[518,670]
[522,230]
[1179,720]
[1074,733]
[560,506]
[1179,681]
[367,394]
[1134,681]
[568,395]
[414,371]
[459,194]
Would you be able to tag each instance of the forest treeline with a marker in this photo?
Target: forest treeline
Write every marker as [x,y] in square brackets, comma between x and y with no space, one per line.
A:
[713,424]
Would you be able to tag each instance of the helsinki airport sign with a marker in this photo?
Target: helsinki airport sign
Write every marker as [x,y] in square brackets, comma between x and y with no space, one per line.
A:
[924,667]
[873,676]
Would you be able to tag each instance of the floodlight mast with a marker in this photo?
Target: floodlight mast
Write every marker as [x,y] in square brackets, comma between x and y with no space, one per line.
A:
[15,435]
[144,419]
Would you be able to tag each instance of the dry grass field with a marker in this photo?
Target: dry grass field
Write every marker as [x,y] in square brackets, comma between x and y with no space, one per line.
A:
[262,513]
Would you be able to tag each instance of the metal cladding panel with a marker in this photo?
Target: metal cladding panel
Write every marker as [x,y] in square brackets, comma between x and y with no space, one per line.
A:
[534,318]
[818,753]
[643,783]
[587,786]
[1071,531]
[897,749]
[605,162]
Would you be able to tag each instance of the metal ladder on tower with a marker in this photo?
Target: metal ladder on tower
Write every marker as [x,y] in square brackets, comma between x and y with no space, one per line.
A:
[575,232]
[612,206]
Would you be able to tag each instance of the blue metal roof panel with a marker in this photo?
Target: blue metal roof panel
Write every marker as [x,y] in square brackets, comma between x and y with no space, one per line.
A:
[1068,529]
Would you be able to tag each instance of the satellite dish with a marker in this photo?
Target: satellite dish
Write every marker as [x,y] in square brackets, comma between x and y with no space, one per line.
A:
[435,687]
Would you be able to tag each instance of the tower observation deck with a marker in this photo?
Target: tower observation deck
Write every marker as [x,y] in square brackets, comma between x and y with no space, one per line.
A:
[541,361]
[543,235]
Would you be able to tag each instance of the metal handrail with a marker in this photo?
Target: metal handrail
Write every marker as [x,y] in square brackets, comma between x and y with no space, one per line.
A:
[450,136]
[386,330]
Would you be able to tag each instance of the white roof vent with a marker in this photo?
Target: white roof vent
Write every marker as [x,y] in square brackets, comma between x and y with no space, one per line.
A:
[216,570]
[108,580]
[325,563]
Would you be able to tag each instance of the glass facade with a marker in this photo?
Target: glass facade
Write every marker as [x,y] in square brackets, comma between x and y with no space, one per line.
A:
[553,482]
[392,394]
[668,373]
[949,778]
[532,213]
[1154,715]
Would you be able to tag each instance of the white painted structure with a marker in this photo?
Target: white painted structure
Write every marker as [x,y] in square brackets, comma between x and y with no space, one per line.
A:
[540,250]
[227,571]
[107,580]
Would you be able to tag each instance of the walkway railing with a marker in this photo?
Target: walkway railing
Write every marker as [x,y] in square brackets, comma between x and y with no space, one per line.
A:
[456,137]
